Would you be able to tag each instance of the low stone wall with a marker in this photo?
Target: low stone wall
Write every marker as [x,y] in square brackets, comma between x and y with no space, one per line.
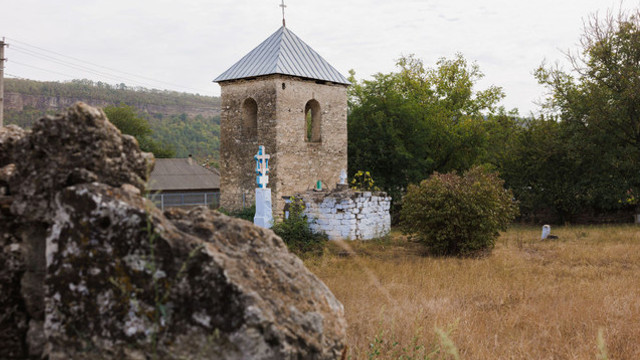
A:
[348,214]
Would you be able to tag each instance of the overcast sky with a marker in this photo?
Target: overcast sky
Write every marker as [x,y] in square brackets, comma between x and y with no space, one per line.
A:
[184,45]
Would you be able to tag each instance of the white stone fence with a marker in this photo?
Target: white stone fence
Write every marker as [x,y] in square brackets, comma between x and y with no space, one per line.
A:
[348,214]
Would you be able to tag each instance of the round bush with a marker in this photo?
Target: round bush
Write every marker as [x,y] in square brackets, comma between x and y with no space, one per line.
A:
[458,215]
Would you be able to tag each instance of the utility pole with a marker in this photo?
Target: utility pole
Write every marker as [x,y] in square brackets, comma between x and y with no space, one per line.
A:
[2,60]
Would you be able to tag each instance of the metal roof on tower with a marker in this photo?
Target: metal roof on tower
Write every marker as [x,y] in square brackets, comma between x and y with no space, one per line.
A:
[283,53]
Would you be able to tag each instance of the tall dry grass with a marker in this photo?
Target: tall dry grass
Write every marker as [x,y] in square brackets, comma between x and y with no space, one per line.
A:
[529,299]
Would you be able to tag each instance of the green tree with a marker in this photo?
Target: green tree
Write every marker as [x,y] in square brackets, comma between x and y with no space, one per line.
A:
[126,119]
[407,124]
[198,136]
[598,102]
[543,171]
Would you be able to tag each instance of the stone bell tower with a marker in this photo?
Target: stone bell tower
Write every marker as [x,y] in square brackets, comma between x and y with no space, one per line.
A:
[285,96]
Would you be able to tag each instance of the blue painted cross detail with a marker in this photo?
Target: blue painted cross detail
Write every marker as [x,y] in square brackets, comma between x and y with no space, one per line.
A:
[262,167]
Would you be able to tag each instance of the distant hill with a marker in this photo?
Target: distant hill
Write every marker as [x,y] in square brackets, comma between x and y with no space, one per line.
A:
[188,122]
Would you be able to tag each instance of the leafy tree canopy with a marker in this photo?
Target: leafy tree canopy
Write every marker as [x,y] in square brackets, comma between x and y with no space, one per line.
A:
[407,124]
[598,103]
[125,118]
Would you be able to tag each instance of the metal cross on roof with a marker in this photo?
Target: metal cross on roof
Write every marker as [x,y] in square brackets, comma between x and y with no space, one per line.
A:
[283,6]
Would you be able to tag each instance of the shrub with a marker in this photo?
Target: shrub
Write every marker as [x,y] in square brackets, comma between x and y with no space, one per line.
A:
[363,181]
[458,215]
[296,233]
[246,213]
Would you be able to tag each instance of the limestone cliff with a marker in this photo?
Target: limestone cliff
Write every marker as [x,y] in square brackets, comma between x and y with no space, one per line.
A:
[19,101]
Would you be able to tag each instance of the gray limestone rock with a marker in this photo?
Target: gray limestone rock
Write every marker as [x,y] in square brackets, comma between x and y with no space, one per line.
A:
[77,147]
[89,269]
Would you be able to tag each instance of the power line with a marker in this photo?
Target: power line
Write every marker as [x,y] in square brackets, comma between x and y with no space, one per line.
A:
[42,69]
[100,66]
[59,73]
[166,96]
[79,67]
[67,75]
[117,77]
[13,76]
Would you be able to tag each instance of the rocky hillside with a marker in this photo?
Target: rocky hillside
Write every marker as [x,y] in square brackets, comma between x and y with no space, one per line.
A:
[26,98]
[188,123]
[19,102]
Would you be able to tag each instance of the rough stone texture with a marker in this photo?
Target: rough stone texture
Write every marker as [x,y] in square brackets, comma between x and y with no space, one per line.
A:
[77,147]
[9,136]
[89,269]
[14,319]
[348,214]
[295,164]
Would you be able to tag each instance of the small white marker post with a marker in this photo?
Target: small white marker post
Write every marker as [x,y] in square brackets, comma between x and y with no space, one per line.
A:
[264,212]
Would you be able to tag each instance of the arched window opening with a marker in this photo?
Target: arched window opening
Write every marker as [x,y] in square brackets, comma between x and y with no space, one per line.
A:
[250,119]
[312,121]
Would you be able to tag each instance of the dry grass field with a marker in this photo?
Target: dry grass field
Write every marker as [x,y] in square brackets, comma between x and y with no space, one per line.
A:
[577,297]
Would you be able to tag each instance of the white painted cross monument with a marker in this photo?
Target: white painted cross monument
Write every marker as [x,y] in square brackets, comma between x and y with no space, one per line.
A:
[264,212]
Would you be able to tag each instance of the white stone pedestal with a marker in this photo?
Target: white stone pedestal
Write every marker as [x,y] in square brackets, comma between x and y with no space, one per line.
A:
[264,212]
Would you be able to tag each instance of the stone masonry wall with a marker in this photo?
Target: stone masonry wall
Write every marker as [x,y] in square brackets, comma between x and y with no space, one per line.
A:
[237,167]
[348,214]
[295,164]
[302,163]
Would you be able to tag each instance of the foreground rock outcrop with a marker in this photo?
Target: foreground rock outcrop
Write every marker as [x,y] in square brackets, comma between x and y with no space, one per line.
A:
[90,269]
